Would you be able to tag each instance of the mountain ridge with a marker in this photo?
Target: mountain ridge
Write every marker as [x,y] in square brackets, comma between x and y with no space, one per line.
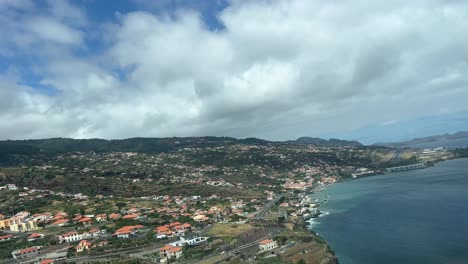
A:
[140,144]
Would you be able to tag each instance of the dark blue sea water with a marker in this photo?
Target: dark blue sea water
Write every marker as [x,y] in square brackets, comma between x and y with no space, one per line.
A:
[418,216]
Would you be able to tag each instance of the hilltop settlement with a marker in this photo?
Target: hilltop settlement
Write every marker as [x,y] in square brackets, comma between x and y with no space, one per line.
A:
[178,200]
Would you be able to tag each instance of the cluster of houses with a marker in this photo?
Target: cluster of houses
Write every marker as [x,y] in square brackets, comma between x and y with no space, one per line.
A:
[172,229]
[128,231]
[21,222]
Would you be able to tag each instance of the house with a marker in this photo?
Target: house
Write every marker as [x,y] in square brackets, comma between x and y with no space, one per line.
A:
[201,218]
[267,244]
[182,228]
[47,261]
[70,237]
[163,231]
[59,216]
[83,245]
[6,238]
[77,218]
[92,233]
[60,222]
[127,231]
[26,253]
[170,252]
[22,215]
[133,216]
[101,243]
[11,187]
[189,241]
[86,221]
[101,217]
[114,216]
[42,217]
[35,236]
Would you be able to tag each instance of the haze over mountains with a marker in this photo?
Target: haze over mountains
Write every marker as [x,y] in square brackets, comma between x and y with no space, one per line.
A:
[422,140]
[157,145]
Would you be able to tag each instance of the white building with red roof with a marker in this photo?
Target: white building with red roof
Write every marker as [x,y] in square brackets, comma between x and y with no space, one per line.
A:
[267,244]
[26,253]
[35,236]
[70,237]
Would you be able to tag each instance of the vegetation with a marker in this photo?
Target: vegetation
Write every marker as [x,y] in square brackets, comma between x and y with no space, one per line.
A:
[228,231]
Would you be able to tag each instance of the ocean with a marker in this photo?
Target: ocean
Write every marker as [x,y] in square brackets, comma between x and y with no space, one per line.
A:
[418,216]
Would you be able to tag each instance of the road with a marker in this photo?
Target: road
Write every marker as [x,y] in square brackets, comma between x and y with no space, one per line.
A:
[142,250]
[264,211]
[220,257]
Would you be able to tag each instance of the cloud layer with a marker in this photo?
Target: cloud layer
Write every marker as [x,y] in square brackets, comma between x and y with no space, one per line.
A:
[277,69]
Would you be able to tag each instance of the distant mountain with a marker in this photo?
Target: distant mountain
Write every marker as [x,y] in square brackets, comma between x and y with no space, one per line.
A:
[423,140]
[333,142]
[145,145]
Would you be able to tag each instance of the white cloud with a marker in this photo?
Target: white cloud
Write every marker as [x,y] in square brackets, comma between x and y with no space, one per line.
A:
[49,29]
[280,69]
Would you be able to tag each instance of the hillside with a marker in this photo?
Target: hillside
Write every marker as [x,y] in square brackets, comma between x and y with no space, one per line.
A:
[333,142]
[144,145]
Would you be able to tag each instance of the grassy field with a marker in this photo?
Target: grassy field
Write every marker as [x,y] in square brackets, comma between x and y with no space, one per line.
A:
[228,231]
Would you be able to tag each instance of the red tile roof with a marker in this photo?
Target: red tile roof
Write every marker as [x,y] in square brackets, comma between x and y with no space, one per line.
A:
[59,222]
[266,241]
[131,216]
[6,237]
[27,250]
[35,235]
[85,219]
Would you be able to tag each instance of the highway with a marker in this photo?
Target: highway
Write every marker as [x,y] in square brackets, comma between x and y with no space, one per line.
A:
[260,215]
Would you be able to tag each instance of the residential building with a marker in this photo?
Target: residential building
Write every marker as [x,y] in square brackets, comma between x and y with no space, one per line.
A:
[83,245]
[6,223]
[267,244]
[26,253]
[85,221]
[92,233]
[101,217]
[24,226]
[11,187]
[201,219]
[114,216]
[127,231]
[133,216]
[189,241]
[22,215]
[60,222]
[35,236]
[42,217]
[6,238]
[70,237]
[170,252]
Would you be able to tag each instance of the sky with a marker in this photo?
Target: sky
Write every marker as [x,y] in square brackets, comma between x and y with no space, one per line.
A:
[369,70]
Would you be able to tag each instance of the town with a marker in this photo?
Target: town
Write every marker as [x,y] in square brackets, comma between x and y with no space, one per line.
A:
[223,204]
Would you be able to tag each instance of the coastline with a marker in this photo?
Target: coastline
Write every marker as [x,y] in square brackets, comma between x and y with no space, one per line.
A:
[307,222]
